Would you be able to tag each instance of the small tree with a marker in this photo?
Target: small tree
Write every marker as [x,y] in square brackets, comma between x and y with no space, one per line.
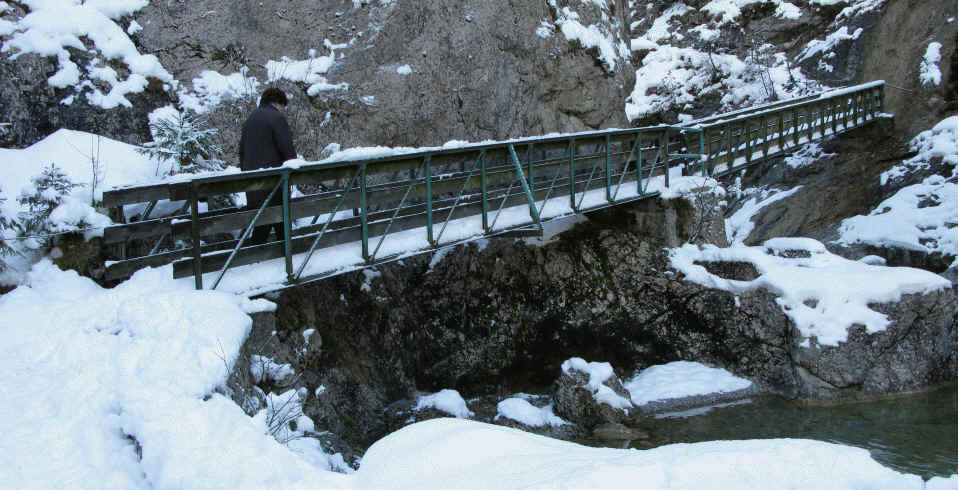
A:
[96,168]
[49,189]
[183,139]
[7,231]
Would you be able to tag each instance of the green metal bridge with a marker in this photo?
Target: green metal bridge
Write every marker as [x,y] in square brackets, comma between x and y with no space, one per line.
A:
[376,209]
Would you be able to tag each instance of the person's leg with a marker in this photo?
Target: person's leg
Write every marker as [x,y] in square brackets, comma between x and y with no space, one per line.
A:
[280,231]
[259,236]
[255,199]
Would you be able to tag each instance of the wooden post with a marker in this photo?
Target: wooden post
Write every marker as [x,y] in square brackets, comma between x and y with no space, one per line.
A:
[708,152]
[781,131]
[664,151]
[195,234]
[795,136]
[834,114]
[764,137]
[730,152]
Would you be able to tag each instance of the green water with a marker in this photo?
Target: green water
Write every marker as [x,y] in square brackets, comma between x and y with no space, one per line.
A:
[916,434]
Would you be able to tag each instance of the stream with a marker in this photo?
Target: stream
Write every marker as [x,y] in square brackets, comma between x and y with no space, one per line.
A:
[915,434]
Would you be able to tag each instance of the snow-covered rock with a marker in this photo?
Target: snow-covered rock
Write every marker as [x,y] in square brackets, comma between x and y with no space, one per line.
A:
[589,393]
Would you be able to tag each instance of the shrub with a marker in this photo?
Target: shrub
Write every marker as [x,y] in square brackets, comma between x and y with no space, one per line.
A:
[182,140]
[49,189]
[7,231]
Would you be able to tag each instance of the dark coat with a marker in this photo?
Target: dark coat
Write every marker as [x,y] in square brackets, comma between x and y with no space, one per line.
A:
[266,142]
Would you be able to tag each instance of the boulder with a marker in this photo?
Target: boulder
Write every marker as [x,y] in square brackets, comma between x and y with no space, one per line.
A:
[589,394]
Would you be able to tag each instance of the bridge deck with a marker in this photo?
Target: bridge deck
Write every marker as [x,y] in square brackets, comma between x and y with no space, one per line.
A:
[382,207]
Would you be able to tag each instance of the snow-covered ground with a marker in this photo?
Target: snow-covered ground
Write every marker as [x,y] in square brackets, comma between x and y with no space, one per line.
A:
[119,389]
[681,379]
[454,454]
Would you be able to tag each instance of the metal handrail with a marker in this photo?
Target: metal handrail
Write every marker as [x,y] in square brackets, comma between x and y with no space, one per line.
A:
[746,138]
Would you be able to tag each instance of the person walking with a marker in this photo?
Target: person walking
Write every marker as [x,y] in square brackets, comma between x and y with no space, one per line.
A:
[266,142]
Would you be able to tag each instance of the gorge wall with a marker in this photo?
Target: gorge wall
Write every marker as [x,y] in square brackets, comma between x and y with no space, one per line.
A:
[499,317]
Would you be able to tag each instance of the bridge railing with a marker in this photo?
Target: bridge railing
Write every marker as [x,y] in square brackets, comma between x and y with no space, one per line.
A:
[736,140]
[372,200]
[365,201]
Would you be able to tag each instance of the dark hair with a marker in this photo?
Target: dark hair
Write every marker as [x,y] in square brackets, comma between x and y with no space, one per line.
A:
[273,95]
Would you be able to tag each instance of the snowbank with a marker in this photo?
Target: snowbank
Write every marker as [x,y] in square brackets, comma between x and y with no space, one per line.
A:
[823,294]
[77,154]
[117,389]
[74,152]
[454,454]
[449,401]
[681,379]
[309,71]
[526,413]
[91,377]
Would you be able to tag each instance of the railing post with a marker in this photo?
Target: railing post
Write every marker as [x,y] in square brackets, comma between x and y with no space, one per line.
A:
[730,152]
[704,146]
[781,131]
[748,141]
[764,138]
[364,213]
[572,175]
[858,109]
[287,229]
[428,164]
[664,148]
[485,195]
[834,113]
[810,122]
[638,164]
[845,109]
[532,167]
[195,232]
[608,167]
[821,118]
[795,136]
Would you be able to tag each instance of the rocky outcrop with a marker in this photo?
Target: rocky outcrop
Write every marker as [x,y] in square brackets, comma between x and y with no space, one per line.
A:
[32,110]
[918,350]
[501,318]
[843,182]
[471,70]
[578,401]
